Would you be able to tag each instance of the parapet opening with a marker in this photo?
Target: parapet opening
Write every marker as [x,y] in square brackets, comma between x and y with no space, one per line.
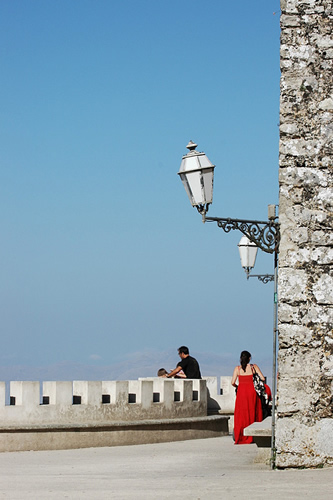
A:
[46,400]
[195,396]
[156,397]
[176,396]
[106,399]
[132,398]
[76,400]
[12,400]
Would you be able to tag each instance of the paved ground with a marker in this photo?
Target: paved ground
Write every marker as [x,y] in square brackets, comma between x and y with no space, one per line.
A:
[198,469]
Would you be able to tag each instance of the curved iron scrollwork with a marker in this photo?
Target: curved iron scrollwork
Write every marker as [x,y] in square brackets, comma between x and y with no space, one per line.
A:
[264,234]
[264,278]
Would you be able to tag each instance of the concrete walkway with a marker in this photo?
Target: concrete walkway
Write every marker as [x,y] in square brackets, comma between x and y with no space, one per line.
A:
[200,469]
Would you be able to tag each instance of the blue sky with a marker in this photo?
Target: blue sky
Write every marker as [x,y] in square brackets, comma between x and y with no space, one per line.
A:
[102,255]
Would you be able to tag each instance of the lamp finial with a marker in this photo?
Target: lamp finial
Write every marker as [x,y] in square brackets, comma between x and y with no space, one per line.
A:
[191,146]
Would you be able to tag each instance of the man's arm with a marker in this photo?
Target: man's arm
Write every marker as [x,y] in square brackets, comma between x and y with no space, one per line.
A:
[174,372]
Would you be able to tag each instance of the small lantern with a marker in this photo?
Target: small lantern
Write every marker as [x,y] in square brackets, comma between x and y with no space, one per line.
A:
[248,253]
[197,174]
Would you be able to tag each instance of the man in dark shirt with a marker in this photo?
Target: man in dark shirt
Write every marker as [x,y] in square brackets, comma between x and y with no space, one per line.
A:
[189,365]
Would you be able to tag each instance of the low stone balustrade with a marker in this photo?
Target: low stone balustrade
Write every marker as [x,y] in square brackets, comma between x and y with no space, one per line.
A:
[58,415]
[220,400]
[84,401]
[220,393]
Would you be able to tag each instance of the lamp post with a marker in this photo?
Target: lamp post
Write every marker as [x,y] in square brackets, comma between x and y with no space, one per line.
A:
[248,253]
[197,175]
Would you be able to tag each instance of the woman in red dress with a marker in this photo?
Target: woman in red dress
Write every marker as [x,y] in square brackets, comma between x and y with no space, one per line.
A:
[248,405]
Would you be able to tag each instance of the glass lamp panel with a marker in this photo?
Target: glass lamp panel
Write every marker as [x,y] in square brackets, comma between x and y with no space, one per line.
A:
[208,179]
[189,163]
[252,254]
[182,166]
[195,185]
[204,161]
[183,178]
[248,252]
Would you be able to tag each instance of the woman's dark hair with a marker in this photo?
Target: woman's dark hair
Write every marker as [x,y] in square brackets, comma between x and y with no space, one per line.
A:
[244,359]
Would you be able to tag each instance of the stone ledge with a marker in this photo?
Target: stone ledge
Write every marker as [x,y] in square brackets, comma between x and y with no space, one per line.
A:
[263,428]
[89,435]
[261,432]
[109,424]
[262,436]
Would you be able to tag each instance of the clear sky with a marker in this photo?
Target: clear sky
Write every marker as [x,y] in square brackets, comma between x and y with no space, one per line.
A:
[102,255]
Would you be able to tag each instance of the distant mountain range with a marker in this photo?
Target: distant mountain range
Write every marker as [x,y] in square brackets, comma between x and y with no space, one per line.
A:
[133,366]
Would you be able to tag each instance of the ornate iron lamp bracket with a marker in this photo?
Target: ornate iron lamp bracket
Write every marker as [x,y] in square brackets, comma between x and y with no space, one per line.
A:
[264,278]
[264,234]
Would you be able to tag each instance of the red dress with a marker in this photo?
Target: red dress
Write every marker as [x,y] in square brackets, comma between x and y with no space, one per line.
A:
[247,408]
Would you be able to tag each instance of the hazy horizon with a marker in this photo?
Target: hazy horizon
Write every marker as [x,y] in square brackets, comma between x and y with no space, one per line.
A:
[143,364]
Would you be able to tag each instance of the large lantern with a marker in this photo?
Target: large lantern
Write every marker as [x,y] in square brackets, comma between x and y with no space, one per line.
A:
[248,254]
[197,174]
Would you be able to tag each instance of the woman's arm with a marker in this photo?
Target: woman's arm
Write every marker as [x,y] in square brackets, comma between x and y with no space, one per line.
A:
[257,369]
[234,377]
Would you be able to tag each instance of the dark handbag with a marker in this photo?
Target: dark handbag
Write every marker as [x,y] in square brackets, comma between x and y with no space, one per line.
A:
[259,385]
[260,389]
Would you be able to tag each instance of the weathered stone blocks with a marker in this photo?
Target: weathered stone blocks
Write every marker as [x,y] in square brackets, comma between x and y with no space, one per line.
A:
[304,444]
[323,289]
[304,431]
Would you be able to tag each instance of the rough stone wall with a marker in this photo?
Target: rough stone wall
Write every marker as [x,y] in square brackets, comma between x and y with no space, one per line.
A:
[304,426]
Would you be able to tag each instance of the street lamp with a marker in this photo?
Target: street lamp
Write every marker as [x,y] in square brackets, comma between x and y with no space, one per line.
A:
[197,174]
[248,253]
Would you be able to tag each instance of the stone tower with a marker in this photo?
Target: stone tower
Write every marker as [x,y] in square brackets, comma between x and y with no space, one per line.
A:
[304,427]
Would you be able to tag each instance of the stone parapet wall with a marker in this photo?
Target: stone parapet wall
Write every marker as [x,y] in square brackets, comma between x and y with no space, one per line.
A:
[304,427]
[220,400]
[83,402]
[221,395]
[79,414]
[90,402]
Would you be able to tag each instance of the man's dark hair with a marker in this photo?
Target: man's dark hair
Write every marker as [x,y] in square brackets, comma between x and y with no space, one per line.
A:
[183,349]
